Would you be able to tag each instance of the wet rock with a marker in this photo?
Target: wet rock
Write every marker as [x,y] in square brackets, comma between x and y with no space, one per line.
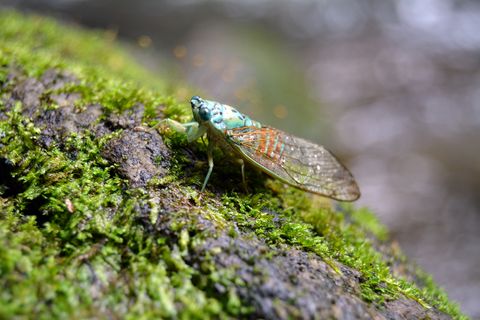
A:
[62,122]
[407,309]
[286,283]
[140,156]
[28,92]
[64,99]
[128,119]
[54,79]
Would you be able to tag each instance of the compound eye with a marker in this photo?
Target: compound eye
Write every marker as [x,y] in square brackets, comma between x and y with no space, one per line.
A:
[205,114]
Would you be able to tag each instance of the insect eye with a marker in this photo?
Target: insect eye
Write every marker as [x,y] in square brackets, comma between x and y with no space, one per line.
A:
[205,114]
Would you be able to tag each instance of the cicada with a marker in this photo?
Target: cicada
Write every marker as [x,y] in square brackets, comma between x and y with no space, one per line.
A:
[295,161]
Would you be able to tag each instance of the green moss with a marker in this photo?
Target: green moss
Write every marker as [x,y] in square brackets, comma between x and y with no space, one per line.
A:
[71,244]
[343,236]
[54,263]
[53,45]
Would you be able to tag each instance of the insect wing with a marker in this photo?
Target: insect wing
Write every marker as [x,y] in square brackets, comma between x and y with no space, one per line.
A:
[295,161]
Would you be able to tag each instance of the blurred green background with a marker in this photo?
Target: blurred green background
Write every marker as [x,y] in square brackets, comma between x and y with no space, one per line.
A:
[392,87]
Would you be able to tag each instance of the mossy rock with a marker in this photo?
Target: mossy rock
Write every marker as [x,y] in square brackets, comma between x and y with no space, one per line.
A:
[101,215]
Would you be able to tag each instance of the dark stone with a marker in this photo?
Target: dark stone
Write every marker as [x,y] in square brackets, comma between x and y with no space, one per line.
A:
[289,283]
[127,120]
[54,79]
[139,154]
[408,309]
[28,92]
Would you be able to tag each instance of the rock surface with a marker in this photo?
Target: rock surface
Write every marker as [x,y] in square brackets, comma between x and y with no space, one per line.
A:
[101,216]
[286,284]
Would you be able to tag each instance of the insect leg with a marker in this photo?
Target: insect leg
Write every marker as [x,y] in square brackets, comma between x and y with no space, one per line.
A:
[195,131]
[242,167]
[192,129]
[175,125]
[210,164]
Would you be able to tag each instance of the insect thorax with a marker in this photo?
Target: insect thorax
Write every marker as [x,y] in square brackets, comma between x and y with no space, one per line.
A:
[226,117]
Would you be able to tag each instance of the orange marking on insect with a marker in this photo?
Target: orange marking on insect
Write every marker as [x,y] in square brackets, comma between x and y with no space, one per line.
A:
[271,145]
[239,132]
[261,145]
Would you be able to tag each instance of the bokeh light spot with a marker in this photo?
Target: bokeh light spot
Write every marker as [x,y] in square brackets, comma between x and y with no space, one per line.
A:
[144,41]
[280,111]
[180,52]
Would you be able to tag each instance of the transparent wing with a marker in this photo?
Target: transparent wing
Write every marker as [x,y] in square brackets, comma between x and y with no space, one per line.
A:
[295,161]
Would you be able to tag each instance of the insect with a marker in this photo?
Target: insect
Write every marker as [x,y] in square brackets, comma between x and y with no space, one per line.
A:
[295,161]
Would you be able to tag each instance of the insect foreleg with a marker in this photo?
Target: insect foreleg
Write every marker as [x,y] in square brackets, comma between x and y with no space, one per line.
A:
[195,131]
[175,125]
[192,129]
[210,164]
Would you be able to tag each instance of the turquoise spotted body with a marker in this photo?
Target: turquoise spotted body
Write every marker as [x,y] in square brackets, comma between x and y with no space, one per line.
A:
[293,160]
[221,116]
